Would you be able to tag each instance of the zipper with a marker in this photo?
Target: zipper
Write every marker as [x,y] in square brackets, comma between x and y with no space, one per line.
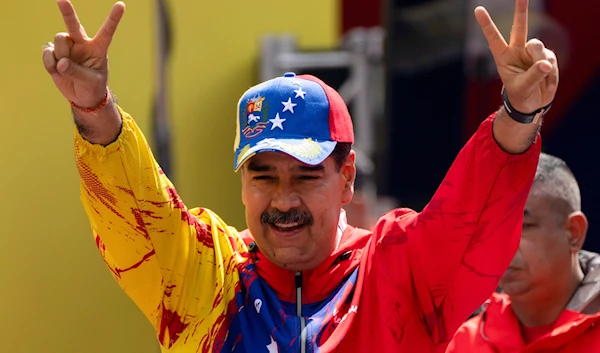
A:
[298,279]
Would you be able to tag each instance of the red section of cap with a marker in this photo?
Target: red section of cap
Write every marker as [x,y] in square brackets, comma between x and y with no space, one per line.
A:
[340,123]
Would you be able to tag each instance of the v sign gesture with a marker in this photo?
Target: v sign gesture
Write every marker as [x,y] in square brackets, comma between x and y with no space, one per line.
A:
[78,64]
[528,71]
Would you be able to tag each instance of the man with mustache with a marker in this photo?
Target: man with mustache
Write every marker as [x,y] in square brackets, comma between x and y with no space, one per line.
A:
[550,299]
[300,279]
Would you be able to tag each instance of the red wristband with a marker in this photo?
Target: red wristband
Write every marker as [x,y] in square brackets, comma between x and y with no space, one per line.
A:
[95,109]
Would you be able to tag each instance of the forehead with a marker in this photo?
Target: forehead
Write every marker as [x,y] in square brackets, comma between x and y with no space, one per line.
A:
[281,161]
[540,201]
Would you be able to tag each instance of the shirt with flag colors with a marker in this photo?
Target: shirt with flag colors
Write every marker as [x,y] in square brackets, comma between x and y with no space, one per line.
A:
[404,287]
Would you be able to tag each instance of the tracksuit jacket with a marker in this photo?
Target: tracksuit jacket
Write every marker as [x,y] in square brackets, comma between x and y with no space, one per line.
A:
[406,286]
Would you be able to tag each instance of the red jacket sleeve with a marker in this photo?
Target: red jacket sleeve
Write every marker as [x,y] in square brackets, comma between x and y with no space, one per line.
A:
[466,338]
[458,247]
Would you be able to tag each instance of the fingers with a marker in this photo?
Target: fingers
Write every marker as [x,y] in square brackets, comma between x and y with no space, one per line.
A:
[536,74]
[535,48]
[49,59]
[107,31]
[67,68]
[518,34]
[546,59]
[72,23]
[62,45]
[492,34]
[552,79]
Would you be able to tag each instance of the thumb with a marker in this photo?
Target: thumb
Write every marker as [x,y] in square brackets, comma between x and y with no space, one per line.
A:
[537,73]
[68,68]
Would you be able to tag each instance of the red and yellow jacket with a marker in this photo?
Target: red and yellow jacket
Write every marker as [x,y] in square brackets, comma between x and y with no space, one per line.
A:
[405,287]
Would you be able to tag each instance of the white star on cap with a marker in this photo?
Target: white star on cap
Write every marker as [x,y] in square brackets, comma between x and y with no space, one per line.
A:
[277,122]
[295,82]
[288,105]
[299,93]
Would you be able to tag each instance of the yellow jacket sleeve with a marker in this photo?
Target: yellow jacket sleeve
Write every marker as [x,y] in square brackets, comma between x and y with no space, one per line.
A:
[177,265]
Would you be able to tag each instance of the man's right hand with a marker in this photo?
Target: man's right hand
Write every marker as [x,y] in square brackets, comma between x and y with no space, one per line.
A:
[79,67]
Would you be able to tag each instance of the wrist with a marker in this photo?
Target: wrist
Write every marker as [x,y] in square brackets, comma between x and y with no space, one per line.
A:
[516,115]
[102,126]
[512,136]
[105,100]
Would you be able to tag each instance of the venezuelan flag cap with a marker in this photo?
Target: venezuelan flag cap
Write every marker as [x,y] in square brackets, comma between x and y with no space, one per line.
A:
[297,115]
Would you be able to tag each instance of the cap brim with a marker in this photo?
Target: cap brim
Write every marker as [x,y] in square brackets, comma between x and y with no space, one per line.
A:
[307,151]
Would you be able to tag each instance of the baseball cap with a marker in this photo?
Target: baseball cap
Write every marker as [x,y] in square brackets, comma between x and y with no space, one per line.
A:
[297,115]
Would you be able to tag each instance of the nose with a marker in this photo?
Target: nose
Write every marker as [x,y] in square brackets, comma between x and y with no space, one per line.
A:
[285,197]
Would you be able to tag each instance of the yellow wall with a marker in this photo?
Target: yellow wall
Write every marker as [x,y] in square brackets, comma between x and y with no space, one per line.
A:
[56,295]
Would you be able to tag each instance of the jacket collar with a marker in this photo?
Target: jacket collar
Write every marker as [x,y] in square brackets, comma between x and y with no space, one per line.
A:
[321,281]
[587,297]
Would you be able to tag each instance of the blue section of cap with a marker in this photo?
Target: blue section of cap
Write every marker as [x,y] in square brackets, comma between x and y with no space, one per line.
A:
[285,108]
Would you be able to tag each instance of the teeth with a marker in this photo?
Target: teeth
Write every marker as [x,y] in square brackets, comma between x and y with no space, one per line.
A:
[286,225]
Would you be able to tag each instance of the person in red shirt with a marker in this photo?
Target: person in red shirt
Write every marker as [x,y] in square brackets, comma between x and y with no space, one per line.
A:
[550,298]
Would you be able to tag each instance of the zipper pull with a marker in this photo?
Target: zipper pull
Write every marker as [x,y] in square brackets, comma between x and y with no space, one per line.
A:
[303,333]
[298,279]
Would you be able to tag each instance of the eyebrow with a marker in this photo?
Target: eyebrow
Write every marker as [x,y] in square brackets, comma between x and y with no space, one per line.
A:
[312,168]
[255,167]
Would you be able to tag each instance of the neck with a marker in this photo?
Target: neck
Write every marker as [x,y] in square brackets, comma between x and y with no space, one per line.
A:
[544,305]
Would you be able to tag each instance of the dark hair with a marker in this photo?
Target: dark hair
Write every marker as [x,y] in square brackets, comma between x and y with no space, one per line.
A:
[556,179]
[340,154]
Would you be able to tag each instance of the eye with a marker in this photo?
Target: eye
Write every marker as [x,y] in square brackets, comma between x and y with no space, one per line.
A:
[263,177]
[528,225]
[308,177]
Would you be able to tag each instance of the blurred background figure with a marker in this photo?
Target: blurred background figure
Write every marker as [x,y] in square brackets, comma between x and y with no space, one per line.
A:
[551,297]
[415,86]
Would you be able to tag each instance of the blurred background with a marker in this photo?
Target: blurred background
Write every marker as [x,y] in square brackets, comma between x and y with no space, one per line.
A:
[416,75]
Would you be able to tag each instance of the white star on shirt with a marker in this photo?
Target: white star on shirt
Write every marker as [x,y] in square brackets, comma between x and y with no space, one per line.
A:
[299,93]
[272,347]
[288,105]
[277,122]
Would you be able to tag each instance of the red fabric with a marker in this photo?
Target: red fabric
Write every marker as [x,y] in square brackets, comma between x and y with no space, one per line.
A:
[420,275]
[340,123]
[360,13]
[531,334]
[500,332]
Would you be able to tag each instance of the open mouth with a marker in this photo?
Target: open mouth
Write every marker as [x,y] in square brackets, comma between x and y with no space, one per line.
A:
[287,227]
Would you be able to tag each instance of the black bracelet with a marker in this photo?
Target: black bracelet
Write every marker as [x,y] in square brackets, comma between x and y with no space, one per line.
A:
[518,116]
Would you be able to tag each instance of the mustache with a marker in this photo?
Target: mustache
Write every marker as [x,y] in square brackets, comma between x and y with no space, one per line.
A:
[292,216]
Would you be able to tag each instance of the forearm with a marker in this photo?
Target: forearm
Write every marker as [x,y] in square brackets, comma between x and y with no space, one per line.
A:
[124,177]
[101,127]
[514,137]
[481,185]
[465,237]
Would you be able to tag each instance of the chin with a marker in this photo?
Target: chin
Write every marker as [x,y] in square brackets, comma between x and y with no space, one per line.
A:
[294,260]
[514,288]
[295,264]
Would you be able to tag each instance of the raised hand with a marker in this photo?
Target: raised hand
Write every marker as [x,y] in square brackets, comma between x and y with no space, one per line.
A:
[77,63]
[528,70]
